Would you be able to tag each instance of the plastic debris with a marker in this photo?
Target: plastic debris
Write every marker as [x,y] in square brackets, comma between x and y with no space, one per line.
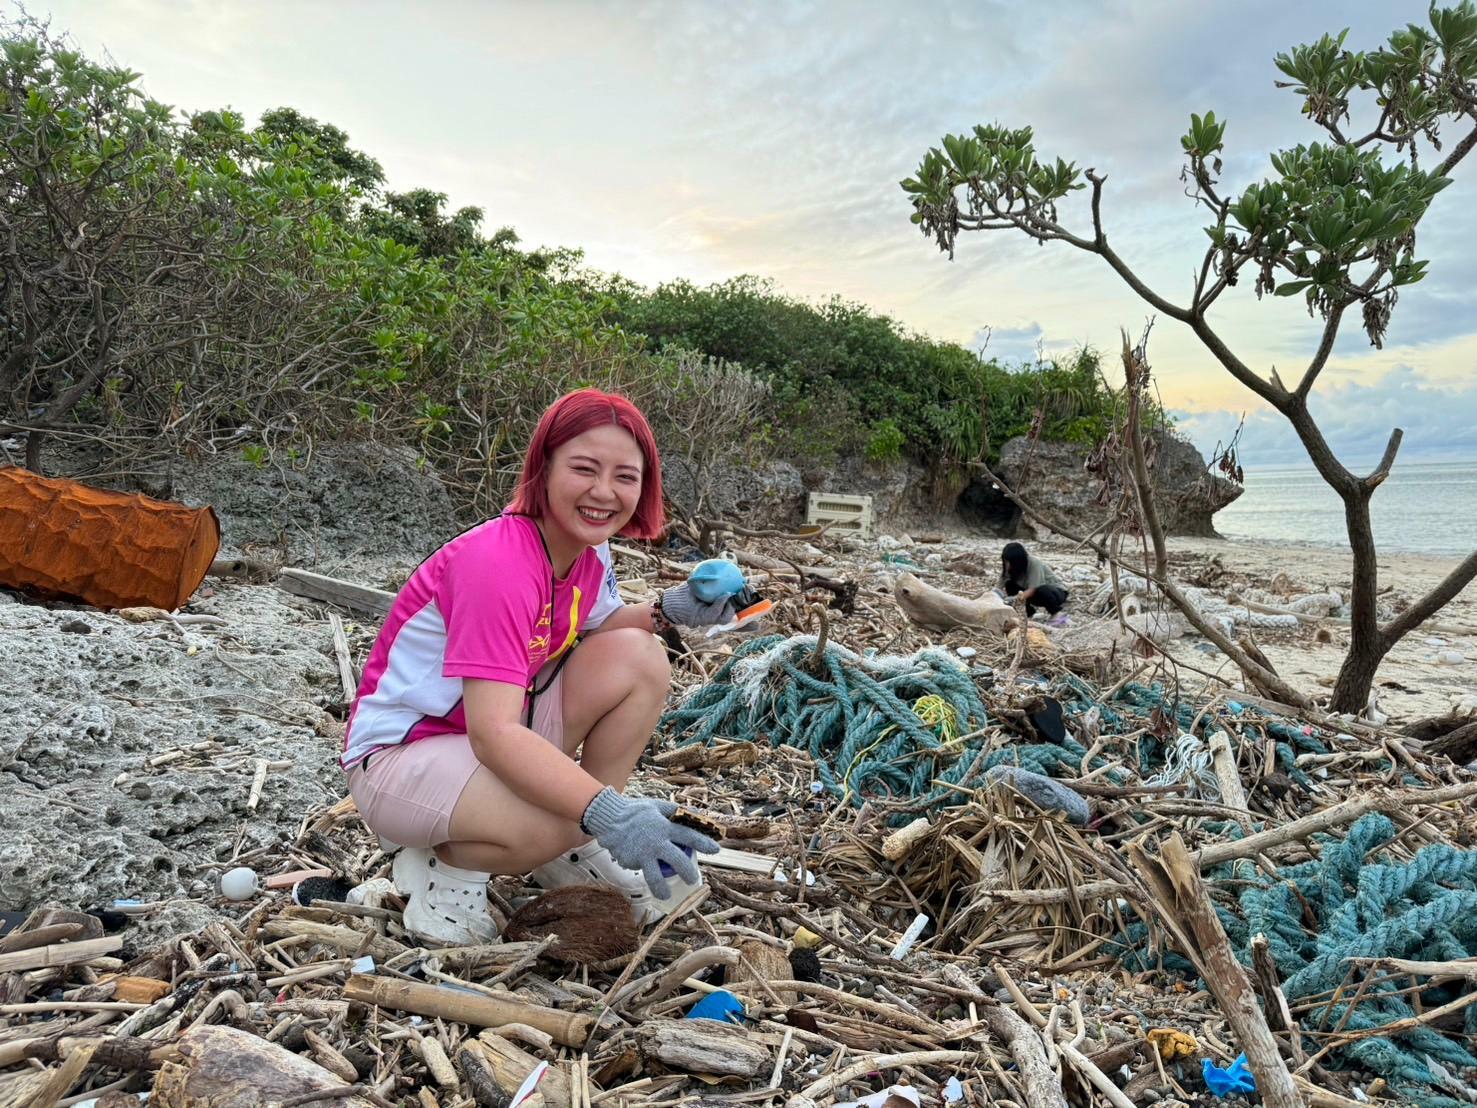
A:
[530,1083]
[877,1100]
[239,883]
[910,936]
[1235,1078]
[806,939]
[953,1091]
[722,1006]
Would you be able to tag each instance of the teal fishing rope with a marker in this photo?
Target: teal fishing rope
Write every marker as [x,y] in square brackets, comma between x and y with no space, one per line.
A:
[856,720]
[1361,907]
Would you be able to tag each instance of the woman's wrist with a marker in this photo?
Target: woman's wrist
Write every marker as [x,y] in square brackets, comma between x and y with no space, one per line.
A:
[660,624]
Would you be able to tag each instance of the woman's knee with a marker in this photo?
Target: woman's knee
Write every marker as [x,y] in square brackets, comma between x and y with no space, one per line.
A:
[639,655]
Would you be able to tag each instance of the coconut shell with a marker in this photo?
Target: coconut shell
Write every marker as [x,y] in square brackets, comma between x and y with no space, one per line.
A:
[594,923]
[688,818]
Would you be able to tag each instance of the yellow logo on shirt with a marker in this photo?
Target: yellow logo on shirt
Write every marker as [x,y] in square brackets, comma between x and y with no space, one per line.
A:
[539,643]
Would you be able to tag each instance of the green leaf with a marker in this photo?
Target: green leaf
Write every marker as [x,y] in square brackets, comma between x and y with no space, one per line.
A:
[1292,288]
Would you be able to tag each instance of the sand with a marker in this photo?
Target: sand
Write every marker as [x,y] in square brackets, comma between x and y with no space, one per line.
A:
[1411,683]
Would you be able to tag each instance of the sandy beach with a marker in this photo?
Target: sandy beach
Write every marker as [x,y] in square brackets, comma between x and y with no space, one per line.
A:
[1412,682]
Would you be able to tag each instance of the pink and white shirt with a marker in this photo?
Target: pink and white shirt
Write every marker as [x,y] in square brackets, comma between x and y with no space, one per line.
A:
[486,605]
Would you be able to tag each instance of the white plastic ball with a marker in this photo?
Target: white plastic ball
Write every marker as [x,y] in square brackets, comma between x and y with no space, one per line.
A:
[238,883]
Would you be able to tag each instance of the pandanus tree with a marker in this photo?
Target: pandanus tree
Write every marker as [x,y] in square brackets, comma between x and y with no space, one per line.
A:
[1334,223]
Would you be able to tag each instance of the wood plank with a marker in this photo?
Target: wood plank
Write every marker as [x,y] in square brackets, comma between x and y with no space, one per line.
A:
[59,954]
[744,860]
[332,590]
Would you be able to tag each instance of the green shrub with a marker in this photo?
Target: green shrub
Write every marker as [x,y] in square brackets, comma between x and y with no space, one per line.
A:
[886,441]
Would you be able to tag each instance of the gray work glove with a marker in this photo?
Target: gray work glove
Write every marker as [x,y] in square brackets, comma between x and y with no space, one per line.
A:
[639,836]
[681,605]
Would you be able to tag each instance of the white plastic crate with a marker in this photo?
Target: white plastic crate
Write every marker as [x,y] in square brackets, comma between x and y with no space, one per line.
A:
[847,514]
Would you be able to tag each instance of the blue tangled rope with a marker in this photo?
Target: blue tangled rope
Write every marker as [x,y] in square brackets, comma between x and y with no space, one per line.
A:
[1424,909]
[1361,907]
[856,719]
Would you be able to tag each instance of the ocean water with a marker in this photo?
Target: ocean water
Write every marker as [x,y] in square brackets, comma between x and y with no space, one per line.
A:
[1423,508]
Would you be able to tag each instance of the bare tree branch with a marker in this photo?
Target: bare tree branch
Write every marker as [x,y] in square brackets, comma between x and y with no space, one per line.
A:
[1136,370]
[1380,472]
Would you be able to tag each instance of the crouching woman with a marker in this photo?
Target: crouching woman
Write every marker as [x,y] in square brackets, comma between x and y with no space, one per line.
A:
[510,692]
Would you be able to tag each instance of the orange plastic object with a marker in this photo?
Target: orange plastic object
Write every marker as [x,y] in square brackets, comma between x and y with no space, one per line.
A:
[64,540]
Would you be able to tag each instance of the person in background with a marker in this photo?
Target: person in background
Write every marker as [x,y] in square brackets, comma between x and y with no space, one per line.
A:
[1030,579]
[511,691]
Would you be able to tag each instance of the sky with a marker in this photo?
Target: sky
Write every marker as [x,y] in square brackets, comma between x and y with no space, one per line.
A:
[703,140]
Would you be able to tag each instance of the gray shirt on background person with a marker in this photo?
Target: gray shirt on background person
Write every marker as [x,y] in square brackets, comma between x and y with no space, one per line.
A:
[1038,573]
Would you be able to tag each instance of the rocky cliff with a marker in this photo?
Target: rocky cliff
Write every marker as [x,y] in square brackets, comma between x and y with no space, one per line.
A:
[1052,478]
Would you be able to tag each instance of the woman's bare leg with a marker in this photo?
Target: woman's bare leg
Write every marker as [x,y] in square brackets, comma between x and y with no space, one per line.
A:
[615,686]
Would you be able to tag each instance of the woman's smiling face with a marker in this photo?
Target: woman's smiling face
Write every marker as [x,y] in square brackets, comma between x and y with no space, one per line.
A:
[594,484]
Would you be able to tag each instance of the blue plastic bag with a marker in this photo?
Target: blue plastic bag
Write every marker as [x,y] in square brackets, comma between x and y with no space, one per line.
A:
[1235,1078]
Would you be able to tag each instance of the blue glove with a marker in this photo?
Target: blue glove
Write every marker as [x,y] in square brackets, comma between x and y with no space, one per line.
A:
[681,604]
[1235,1078]
[639,836]
[716,578]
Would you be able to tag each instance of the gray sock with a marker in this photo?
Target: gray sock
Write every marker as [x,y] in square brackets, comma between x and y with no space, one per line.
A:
[1049,795]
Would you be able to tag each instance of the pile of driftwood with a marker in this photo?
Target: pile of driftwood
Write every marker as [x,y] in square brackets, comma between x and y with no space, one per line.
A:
[1003,993]
[970,956]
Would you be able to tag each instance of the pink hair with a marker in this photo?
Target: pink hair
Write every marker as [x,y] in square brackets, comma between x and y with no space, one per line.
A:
[572,415]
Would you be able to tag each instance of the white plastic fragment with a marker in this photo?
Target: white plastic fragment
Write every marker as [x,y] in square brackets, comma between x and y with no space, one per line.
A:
[910,936]
[953,1091]
[530,1083]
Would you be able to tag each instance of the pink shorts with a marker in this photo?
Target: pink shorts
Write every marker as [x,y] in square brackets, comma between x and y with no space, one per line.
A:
[410,790]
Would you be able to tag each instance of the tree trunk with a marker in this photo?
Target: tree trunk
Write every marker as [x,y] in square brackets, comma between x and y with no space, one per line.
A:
[1366,646]
[1356,675]
[34,439]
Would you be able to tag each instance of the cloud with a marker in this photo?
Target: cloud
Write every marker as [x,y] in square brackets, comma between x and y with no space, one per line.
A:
[1439,421]
[1010,345]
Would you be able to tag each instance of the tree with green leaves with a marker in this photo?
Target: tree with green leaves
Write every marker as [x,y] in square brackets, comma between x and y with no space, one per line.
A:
[1335,223]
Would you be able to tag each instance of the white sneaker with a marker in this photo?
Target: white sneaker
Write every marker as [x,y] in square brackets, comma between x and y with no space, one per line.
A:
[445,904]
[592,864]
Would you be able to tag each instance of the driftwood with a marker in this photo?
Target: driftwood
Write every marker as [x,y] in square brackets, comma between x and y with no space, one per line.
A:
[331,590]
[1186,910]
[931,607]
[569,1028]
[511,1066]
[59,954]
[226,1068]
[1001,885]
[702,1046]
